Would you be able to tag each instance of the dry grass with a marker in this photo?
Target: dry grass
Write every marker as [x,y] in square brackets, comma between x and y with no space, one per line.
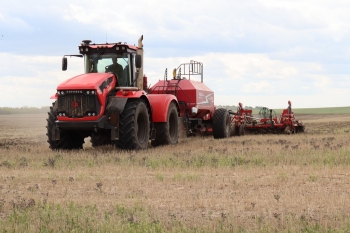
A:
[255,183]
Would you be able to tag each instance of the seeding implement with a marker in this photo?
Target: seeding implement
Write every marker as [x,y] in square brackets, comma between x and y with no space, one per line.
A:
[239,120]
[111,103]
[267,121]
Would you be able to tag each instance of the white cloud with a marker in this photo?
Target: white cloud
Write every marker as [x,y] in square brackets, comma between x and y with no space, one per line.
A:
[258,87]
[261,81]
[13,23]
[31,80]
[258,50]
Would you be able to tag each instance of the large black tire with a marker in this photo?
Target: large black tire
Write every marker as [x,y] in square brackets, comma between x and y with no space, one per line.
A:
[134,126]
[221,123]
[101,138]
[167,132]
[68,139]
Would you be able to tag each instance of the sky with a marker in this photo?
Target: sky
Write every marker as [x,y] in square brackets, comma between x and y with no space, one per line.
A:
[257,52]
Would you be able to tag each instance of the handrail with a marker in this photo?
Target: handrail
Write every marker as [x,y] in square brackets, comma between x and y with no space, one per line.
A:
[186,70]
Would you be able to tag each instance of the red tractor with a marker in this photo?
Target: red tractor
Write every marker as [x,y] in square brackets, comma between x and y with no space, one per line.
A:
[269,123]
[110,103]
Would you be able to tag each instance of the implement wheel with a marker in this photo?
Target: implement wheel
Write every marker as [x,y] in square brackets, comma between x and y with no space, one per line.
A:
[221,123]
[241,130]
[167,132]
[287,130]
[134,126]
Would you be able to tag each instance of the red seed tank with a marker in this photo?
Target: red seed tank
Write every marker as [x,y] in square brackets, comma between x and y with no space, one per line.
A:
[194,97]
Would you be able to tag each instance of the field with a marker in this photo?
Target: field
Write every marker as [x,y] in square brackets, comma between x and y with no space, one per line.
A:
[254,183]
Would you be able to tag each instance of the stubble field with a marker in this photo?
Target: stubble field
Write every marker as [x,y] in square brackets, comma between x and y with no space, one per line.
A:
[254,183]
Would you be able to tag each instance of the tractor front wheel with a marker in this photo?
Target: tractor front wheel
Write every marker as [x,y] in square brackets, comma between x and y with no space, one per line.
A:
[134,126]
[221,123]
[68,139]
[167,132]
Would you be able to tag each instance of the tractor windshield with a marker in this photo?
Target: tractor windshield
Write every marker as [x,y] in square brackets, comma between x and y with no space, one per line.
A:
[119,64]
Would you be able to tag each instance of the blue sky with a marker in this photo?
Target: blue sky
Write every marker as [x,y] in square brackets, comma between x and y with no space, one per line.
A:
[260,53]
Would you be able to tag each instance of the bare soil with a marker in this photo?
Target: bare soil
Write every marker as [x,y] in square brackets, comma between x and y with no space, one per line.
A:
[276,180]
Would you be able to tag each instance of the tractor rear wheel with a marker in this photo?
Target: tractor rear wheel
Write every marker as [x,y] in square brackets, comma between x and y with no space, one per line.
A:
[101,138]
[68,139]
[167,132]
[134,126]
[221,123]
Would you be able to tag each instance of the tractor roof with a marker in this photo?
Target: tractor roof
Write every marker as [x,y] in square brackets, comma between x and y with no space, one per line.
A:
[87,48]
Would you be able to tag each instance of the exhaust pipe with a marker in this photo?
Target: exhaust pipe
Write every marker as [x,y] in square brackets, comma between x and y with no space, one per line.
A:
[140,70]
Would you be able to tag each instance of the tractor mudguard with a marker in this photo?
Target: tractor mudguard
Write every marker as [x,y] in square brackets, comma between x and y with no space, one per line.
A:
[122,97]
[160,105]
[130,94]
[116,105]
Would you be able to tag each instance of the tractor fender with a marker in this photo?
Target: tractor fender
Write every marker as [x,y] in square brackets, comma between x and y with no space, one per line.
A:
[130,94]
[160,105]
[117,103]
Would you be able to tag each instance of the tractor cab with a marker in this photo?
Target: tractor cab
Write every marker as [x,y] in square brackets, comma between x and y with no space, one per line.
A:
[119,64]
[120,59]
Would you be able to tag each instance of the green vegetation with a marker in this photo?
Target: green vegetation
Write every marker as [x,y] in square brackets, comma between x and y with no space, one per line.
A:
[28,216]
[333,110]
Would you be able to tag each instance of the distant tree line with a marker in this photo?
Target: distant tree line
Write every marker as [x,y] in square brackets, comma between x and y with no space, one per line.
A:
[23,110]
[233,107]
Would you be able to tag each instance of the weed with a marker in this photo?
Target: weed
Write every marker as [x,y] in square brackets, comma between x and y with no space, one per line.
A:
[159,177]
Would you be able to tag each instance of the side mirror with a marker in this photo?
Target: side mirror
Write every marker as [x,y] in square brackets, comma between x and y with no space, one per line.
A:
[64,63]
[138,61]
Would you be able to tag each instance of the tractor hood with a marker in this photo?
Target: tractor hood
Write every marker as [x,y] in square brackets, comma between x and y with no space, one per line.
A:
[86,81]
